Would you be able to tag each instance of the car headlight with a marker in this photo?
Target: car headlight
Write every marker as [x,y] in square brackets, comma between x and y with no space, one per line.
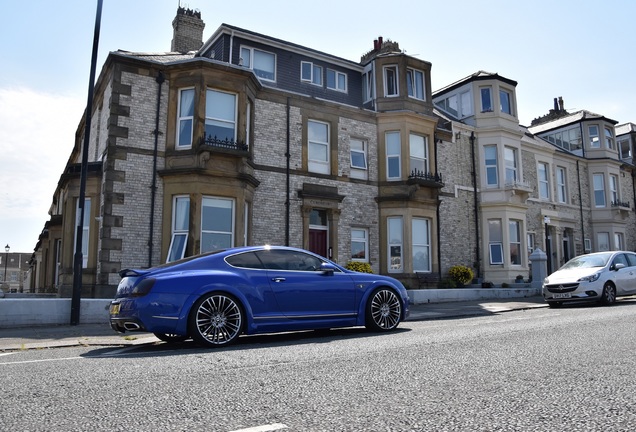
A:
[591,278]
[546,281]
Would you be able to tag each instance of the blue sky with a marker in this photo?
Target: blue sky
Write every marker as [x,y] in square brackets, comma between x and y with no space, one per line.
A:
[581,50]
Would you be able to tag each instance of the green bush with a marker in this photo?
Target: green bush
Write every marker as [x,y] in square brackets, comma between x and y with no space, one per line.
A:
[358,266]
[460,274]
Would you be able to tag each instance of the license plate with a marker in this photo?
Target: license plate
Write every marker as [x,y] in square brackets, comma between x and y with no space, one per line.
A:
[114,309]
[563,296]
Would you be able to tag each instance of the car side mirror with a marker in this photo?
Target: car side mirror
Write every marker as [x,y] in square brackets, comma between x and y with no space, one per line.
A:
[327,268]
[618,266]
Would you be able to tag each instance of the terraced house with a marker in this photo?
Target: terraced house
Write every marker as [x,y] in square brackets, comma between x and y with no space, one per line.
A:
[249,139]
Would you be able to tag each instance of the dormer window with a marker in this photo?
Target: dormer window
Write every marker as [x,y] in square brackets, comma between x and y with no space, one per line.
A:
[261,62]
[310,72]
[505,102]
[415,83]
[336,80]
[486,99]
[391,81]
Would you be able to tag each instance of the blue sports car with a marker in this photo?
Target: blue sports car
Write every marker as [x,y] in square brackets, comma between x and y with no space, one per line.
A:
[215,297]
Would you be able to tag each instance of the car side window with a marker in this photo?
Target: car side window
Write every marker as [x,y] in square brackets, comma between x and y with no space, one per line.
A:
[620,258]
[245,260]
[288,260]
[631,258]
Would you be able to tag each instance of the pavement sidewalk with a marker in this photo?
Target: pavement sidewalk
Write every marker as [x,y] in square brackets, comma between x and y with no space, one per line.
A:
[39,337]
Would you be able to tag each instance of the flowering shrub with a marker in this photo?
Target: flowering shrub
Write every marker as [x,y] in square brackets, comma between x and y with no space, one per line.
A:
[358,266]
[460,274]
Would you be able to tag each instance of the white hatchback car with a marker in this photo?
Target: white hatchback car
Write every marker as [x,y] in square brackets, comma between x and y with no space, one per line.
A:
[600,276]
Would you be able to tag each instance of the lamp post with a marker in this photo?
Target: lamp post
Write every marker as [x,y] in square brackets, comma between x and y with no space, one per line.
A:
[6,261]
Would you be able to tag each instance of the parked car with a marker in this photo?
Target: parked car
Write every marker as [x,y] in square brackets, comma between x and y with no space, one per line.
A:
[600,277]
[215,297]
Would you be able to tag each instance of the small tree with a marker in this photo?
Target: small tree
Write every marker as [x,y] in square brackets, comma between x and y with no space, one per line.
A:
[460,274]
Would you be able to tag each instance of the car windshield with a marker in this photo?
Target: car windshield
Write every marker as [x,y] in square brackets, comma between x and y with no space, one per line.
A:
[587,261]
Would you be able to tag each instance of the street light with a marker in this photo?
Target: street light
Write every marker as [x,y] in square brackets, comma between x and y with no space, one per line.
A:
[6,260]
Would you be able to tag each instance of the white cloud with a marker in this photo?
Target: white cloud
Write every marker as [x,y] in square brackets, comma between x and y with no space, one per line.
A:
[37,132]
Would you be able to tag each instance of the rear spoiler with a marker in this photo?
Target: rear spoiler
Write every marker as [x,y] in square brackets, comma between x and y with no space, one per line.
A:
[131,272]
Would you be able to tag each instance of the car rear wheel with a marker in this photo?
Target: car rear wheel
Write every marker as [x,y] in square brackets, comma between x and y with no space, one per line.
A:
[216,319]
[609,294]
[384,310]
[170,338]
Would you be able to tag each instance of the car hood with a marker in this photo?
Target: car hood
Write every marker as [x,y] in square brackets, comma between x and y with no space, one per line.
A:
[572,275]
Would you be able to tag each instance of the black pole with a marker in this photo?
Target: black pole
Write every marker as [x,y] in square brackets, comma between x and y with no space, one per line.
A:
[548,248]
[287,175]
[78,257]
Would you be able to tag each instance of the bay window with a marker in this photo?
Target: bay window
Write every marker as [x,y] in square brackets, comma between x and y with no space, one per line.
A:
[217,223]
[185,118]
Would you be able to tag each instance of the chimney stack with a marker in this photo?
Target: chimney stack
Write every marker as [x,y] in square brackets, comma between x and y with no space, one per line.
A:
[188,31]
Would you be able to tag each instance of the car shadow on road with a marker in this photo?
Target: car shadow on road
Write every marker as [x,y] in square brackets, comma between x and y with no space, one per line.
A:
[243,343]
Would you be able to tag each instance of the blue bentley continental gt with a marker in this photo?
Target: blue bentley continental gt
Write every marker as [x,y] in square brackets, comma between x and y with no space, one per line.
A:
[215,297]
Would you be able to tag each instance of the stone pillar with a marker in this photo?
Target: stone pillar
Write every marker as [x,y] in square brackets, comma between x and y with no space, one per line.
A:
[539,261]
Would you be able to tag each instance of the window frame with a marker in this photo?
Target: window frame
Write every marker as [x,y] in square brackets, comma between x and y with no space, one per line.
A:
[517,224]
[592,136]
[421,160]
[514,168]
[365,243]
[599,190]
[86,229]
[599,242]
[233,122]
[315,73]
[497,243]
[357,171]
[507,95]
[337,76]
[613,189]
[426,245]
[317,165]
[486,105]
[609,138]
[182,118]
[396,84]
[250,62]
[561,184]
[414,90]
[181,232]
[492,166]
[392,156]
[203,231]
[394,246]
[544,183]
[367,86]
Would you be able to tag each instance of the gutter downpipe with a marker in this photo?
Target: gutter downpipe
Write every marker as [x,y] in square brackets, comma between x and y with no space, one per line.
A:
[153,189]
[578,174]
[475,205]
[437,215]
[287,174]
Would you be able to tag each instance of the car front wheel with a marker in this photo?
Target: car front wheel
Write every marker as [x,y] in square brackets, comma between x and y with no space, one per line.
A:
[609,294]
[216,319]
[384,310]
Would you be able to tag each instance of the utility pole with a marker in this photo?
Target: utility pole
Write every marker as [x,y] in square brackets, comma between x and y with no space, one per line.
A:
[78,258]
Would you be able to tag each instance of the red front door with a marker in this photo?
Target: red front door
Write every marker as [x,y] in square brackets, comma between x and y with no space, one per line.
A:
[318,241]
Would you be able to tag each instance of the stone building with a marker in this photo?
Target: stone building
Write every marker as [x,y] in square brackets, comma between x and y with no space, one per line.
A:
[248,139]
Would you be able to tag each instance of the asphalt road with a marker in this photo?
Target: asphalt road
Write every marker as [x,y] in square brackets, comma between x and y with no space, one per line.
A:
[539,369]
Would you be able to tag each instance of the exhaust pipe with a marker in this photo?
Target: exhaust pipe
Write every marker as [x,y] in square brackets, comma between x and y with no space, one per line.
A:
[131,326]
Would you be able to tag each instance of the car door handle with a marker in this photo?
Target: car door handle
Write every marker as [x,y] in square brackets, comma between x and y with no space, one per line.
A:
[278,279]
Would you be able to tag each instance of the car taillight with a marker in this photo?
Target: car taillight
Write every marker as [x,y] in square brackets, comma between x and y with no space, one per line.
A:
[142,288]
